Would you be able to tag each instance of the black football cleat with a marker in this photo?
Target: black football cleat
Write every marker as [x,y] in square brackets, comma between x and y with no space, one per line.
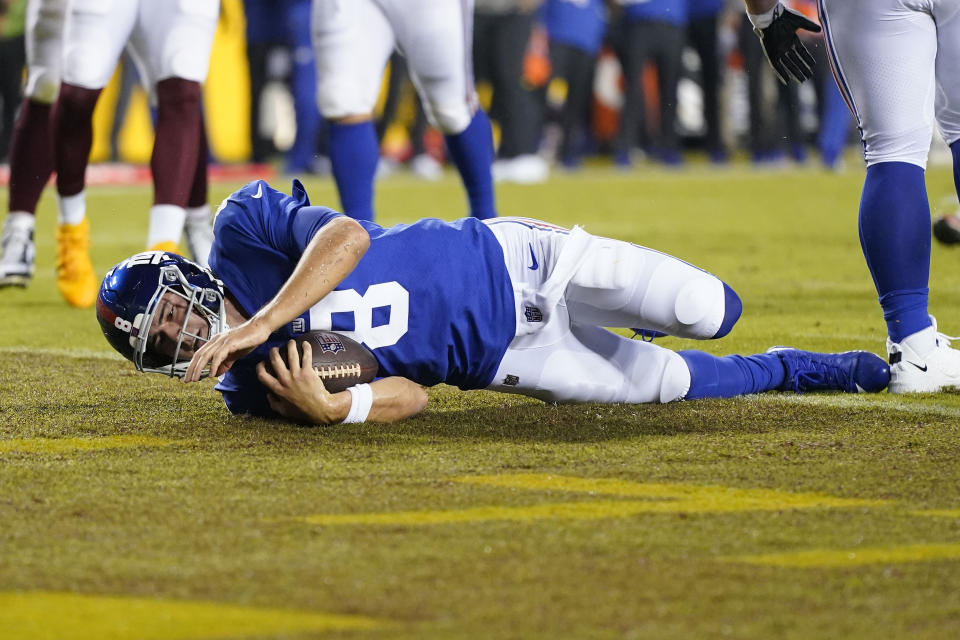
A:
[946,229]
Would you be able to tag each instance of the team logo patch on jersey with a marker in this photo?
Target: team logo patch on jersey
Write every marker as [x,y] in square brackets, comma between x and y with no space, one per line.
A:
[511,380]
[330,343]
[533,314]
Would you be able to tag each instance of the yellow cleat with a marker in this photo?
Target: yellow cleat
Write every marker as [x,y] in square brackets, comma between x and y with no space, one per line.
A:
[167,247]
[75,278]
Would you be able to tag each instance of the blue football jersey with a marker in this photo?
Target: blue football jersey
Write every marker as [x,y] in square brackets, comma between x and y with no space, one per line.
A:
[576,23]
[432,300]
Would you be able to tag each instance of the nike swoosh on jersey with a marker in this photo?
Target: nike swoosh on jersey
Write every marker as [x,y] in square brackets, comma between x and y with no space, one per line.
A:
[259,192]
[535,265]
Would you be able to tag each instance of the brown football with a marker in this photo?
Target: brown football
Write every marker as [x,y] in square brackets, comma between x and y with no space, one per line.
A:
[340,361]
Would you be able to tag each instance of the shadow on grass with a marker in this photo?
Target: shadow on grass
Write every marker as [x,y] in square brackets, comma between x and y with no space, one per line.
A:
[97,397]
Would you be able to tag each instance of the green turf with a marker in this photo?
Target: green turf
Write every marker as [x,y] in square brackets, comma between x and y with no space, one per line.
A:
[207,509]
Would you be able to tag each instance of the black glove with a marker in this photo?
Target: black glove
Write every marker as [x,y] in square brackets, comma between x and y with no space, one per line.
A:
[786,54]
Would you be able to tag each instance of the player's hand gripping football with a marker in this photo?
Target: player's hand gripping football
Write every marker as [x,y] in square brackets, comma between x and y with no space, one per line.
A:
[226,348]
[295,390]
[786,54]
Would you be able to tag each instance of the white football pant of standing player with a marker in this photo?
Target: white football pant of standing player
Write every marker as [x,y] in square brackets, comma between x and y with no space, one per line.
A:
[353,41]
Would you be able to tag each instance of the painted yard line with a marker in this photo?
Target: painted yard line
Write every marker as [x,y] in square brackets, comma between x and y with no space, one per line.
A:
[91,617]
[718,498]
[662,499]
[63,353]
[937,513]
[590,510]
[830,558]
[67,445]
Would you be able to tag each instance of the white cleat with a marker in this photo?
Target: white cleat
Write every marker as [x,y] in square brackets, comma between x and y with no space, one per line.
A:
[16,263]
[936,370]
[426,166]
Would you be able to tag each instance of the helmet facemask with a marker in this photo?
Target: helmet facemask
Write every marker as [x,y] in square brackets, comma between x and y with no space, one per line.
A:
[206,302]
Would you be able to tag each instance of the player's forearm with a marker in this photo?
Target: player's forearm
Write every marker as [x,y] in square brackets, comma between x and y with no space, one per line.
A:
[394,398]
[329,258]
[759,6]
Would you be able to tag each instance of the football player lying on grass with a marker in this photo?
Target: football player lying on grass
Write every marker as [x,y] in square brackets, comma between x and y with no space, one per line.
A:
[508,304]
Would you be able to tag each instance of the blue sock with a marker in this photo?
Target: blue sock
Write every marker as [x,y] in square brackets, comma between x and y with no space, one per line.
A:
[354,154]
[895,237]
[472,152]
[729,376]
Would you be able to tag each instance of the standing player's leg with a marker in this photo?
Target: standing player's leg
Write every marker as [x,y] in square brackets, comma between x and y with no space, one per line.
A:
[352,42]
[884,55]
[437,41]
[174,48]
[93,39]
[31,146]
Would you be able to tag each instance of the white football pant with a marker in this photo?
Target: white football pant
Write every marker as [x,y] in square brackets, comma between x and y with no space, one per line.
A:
[44,24]
[354,39]
[167,38]
[569,285]
[897,63]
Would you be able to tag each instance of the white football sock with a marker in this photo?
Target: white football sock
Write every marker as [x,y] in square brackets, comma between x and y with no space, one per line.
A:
[166,224]
[198,215]
[72,209]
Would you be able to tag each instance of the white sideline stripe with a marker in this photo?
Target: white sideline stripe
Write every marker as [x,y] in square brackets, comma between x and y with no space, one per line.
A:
[63,353]
[880,402]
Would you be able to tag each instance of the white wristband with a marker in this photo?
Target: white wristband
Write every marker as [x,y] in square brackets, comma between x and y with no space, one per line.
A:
[763,20]
[361,401]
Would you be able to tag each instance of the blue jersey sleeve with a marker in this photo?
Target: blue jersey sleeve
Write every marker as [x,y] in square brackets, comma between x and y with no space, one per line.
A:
[259,235]
[242,392]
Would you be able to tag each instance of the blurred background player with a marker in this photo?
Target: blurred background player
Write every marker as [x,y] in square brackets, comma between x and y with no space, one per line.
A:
[31,163]
[653,31]
[896,64]
[702,31]
[774,125]
[170,42]
[353,41]
[279,45]
[501,36]
[12,59]
[575,31]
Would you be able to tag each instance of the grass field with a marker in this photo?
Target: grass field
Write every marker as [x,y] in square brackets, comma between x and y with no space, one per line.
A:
[134,507]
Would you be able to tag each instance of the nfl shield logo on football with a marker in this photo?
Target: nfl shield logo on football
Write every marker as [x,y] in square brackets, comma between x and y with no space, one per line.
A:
[330,343]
